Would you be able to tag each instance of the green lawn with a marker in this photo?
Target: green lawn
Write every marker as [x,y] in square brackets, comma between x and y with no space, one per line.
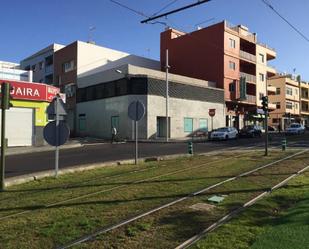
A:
[51,212]
[280,221]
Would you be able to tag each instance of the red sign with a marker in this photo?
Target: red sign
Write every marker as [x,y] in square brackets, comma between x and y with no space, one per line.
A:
[212,112]
[32,91]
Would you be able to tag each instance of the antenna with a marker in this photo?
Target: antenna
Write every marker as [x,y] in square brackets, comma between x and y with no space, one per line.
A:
[90,34]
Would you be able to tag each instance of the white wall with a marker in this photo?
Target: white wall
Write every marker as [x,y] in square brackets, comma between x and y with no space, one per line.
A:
[178,110]
[93,59]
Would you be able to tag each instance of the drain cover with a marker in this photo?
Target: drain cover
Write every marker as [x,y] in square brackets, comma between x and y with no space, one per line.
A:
[216,199]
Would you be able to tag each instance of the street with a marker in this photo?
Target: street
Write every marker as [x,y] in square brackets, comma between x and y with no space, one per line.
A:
[90,154]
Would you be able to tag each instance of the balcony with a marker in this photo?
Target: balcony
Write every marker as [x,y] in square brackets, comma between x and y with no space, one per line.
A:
[249,77]
[271,89]
[49,69]
[271,71]
[247,56]
[272,106]
[251,99]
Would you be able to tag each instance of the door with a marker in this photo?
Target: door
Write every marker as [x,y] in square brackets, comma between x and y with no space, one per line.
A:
[19,126]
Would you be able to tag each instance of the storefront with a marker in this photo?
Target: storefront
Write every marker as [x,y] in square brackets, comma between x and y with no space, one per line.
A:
[26,119]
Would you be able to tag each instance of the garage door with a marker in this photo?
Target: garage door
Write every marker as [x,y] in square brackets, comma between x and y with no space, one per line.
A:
[19,126]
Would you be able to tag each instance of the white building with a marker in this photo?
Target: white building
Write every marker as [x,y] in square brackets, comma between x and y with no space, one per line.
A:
[103,99]
[12,71]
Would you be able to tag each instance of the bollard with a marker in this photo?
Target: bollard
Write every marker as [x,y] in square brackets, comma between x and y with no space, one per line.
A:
[284,144]
[190,148]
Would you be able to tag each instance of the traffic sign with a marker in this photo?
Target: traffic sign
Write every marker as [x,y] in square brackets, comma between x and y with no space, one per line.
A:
[136,110]
[49,133]
[212,112]
[51,109]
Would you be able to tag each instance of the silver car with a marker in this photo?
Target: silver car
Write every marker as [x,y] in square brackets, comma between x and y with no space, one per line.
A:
[295,129]
[224,133]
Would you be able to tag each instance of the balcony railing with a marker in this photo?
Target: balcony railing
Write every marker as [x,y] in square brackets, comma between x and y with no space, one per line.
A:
[240,31]
[49,69]
[250,98]
[249,77]
[247,56]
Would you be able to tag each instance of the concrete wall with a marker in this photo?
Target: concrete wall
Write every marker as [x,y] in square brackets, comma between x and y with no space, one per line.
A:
[99,112]
[180,109]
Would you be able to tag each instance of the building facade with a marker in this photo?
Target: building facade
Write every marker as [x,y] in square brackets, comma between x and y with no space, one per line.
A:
[26,119]
[286,99]
[223,53]
[41,64]
[103,99]
[304,102]
[80,59]
[12,71]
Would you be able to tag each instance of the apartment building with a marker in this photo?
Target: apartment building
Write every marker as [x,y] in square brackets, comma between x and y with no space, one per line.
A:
[80,59]
[286,99]
[228,55]
[12,71]
[41,64]
[304,102]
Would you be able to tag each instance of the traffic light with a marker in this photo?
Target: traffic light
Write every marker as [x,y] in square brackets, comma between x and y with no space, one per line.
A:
[265,103]
[6,96]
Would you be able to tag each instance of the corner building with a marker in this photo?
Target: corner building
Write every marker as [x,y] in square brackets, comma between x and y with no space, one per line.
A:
[223,53]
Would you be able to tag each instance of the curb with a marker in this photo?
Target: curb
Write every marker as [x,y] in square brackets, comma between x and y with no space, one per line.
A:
[42,149]
[50,173]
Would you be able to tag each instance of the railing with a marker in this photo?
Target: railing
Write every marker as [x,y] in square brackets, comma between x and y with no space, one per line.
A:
[238,29]
[266,46]
[247,56]
[250,98]
[249,77]
[49,69]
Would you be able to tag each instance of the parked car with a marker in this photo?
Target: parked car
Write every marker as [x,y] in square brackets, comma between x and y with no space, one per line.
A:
[251,131]
[200,132]
[295,129]
[224,133]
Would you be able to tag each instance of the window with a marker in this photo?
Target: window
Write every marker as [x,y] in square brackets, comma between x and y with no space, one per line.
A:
[289,105]
[188,124]
[261,95]
[232,43]
[204,123]
[68,66]
[276,120]
[41,65]
[33,68]
[232,65]
[232,86]
[289,91]
[261,56]
[278,105]
[262,77]
[278,90]
[296,105]
[296,91]
[82,122]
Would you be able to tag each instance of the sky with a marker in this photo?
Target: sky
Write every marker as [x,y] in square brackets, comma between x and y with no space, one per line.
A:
[27,27]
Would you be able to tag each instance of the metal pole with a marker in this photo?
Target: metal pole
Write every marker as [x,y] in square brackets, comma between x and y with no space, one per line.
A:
[266,122]
[212,123]
[3,145]
[136,143]
[57,138]
[166,79]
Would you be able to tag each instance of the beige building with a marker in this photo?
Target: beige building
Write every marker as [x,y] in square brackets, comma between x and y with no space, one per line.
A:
[304,102]
[286,99]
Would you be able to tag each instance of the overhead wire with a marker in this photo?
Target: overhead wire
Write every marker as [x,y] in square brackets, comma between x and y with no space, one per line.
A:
[284,19]
[164,7]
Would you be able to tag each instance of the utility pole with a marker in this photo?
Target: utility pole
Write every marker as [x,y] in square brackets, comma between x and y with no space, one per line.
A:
[5,104]
[167,95]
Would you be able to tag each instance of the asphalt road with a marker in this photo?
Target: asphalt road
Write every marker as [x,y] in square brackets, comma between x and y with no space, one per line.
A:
[88,154]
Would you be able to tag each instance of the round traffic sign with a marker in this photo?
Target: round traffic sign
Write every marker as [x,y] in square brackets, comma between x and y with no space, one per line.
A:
[49,133]
[212,112]
[136,110]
